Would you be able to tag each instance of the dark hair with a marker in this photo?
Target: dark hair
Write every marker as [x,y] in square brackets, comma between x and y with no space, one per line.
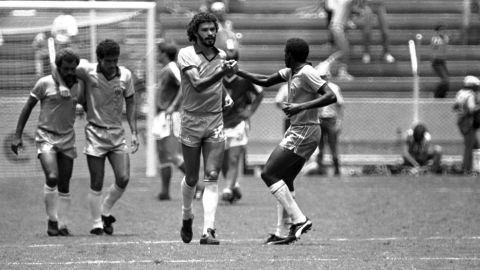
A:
[169,48]
[298,49]
[419,132]
[107,47]
[67,55]
[439,26]
[198,19]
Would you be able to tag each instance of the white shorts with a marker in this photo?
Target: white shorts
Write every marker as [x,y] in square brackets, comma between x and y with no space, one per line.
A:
[165,125]
[237,136]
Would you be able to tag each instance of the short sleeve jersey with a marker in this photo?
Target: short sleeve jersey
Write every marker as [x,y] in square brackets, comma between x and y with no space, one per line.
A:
[465,98]
[416,149]
[57,114]
[330,111]
[209,100]
[241,92]
[169,85]
[303,87]
[105,98]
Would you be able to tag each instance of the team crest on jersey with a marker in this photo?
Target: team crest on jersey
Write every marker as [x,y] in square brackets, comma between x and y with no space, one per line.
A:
[117,89]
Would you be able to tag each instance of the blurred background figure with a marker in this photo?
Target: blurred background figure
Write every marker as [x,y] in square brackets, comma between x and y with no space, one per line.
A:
[246,98]
[439,44]
[368,11]
[227,39]
[419,154]
[467,110]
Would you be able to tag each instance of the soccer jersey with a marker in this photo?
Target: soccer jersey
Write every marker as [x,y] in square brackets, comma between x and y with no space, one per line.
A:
[105,98]
[208,100]
[303,87]
[169,85]
[330,111]
[57,113]
[240,90]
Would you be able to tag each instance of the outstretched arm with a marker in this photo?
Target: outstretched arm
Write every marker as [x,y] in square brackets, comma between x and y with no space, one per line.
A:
[202,83]
[262,80]
[22,121]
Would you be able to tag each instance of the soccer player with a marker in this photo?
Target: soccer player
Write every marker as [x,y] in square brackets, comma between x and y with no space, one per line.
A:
[246,99]
[108,87]
[167,121]
[202,68]
[307,91]
[55,137]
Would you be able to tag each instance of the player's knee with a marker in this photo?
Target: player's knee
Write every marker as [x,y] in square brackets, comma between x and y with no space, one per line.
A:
[96,186]
[211,175]
[51,179]
[122,181]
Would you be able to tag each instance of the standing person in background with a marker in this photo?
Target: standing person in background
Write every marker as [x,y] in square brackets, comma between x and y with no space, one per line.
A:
[418,152]
[307,91]
[369,9]
[55,137]
[108,87]
[467,118]
[166,126]
[246,99]
[439,44]
[331,118]
[202,68]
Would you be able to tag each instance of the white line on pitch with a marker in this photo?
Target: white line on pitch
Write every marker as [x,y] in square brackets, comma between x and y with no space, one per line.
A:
[161,242]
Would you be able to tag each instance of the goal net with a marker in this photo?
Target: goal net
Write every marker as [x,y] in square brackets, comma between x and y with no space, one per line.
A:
[25,29]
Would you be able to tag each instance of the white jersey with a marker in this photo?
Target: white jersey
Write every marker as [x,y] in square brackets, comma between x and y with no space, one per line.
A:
[330,111]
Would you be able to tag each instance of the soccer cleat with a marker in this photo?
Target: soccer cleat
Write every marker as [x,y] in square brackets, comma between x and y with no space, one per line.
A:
[107,224]
[272,238]
[52,228]
[96,231]
[209,238]
[163,197]
[227,195]
[64,232]
[186,231]
[295,231]
[237,194]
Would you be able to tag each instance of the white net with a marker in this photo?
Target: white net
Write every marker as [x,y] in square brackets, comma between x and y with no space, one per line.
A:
[24,59]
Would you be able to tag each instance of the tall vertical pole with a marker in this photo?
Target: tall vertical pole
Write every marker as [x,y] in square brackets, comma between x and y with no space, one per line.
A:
[93,35]
[150,77]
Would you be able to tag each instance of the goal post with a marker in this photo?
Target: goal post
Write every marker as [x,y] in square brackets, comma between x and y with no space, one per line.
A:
[130,23]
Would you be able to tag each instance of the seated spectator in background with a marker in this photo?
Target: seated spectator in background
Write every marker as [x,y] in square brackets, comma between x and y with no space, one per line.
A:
[467,111]
[367,10]
[419,153]
[439,44]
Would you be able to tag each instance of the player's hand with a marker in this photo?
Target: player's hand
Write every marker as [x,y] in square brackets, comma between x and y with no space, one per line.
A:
[291,109]
[17,145]
[64,91]
[135,142]
[230,66]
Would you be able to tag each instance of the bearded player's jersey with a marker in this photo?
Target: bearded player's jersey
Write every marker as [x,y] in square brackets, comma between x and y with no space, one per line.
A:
[57,113]
[303,87]
[208,100]
[105,98]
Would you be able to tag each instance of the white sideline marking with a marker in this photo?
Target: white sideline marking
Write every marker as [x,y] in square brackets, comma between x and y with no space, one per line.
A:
[252,240]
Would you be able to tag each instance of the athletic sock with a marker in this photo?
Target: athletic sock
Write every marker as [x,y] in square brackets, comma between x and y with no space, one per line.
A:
[283,220]
[166,176]
[210,202]
[50,196]
[283,195]
[95,202]
[187,198]
[114,193]
[64,202]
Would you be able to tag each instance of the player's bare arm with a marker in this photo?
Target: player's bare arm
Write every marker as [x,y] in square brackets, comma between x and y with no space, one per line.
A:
[260,79]
[200,84]
[327,97]
[132,121]
[17,143]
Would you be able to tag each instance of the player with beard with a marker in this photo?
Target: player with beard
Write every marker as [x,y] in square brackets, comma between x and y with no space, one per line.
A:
[306,92]
[202,68]
[55,137]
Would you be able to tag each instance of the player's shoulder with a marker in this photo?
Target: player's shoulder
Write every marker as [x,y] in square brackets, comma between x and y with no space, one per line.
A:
[186,50]
[125,73]
[45,81]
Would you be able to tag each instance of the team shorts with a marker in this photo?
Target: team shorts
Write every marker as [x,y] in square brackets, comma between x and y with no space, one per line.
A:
[48,142]
[165,125]
[100,141]
[197,128]
[237,136]
[302,139]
